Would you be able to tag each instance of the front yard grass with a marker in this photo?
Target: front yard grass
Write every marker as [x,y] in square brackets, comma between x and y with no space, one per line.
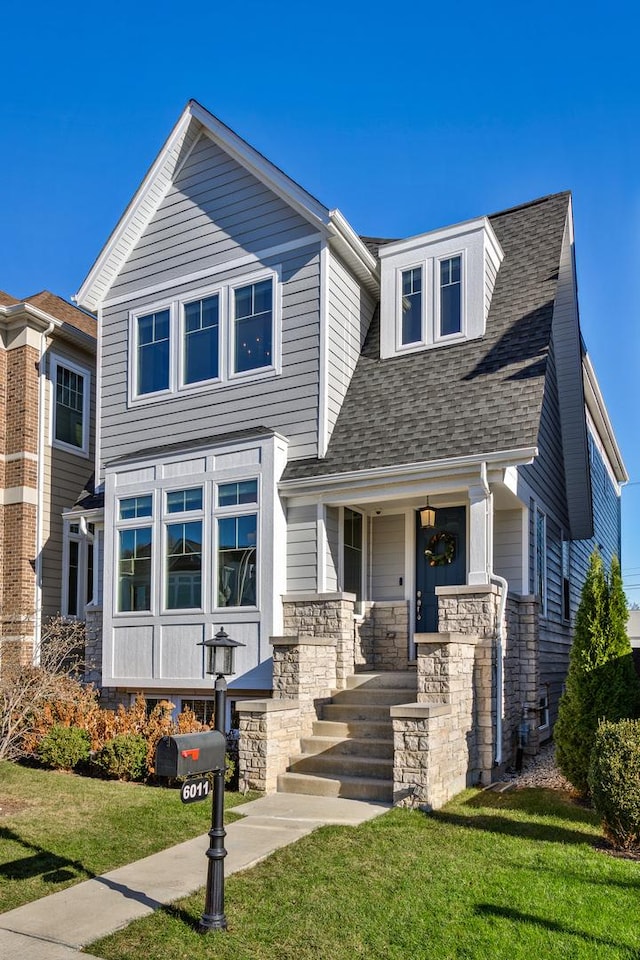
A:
[57,829]
[492,876]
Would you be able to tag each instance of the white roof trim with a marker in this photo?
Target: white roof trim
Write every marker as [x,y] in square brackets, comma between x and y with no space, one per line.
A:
[445,467]
[596,407]
[194,121]
[15,311]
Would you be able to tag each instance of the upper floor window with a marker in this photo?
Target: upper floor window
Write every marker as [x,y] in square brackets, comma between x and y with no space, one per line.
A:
[450,296]
[411,310]
[71,406]
[153,352]
[200,342]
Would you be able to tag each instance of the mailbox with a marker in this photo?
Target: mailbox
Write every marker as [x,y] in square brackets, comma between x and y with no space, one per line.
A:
[190,753]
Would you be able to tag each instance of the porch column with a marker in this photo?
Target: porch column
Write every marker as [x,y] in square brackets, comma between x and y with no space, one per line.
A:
[480,535]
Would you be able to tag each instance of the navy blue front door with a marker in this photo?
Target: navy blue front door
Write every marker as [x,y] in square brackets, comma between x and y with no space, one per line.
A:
[441,561]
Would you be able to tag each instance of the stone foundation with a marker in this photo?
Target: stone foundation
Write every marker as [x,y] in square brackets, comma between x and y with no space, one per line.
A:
[328,616]
[269,736]
[305,670]
[384,635]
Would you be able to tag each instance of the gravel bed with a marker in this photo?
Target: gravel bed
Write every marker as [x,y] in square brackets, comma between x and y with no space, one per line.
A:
[539,771]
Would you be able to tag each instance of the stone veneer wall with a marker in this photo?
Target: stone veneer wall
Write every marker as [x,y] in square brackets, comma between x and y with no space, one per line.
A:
[328,616]
[304,670]
[522,672]
[384,635]
[269,736]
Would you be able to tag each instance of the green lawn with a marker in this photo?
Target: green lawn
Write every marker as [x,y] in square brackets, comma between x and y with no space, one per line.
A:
[513,876]
[57,829]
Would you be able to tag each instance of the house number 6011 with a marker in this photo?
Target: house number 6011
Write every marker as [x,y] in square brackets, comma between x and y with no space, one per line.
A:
[196,789]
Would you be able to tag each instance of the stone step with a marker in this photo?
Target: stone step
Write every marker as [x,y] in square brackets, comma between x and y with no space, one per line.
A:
[319,764]
[348,746]
[383,678]
[353,788]
[376,696]
[377,730]
[348,712]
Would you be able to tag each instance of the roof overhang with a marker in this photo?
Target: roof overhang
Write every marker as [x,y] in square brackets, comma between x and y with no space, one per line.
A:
[25,312]
[426,477]
[193,122]
[596,407]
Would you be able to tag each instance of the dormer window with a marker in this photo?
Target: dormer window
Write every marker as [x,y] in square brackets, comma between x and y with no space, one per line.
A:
[450,296]
[436,288]
[411,306]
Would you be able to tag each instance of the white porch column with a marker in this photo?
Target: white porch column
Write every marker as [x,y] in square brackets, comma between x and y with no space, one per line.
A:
[480,535]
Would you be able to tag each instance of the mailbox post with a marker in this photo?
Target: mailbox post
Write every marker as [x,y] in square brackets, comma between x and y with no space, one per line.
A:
[220,655]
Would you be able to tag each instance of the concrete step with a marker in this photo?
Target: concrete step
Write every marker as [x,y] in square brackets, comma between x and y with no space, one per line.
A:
[361,729]
[348,712]
[348,746]
[353,788]
[375,695]
[383,678]
[378,768]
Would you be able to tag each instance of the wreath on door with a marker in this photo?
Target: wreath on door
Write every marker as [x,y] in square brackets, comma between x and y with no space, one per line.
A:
[441,549]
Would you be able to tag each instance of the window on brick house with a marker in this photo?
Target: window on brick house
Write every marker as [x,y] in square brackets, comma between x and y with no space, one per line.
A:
[70,406]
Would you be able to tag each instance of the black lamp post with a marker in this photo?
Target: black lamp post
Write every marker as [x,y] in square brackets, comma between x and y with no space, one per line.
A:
[220,663]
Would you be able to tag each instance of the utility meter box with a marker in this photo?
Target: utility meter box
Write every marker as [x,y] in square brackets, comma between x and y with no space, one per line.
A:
[189,753]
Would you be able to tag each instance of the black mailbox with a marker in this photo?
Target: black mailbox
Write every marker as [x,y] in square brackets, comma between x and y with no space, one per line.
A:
[189,753]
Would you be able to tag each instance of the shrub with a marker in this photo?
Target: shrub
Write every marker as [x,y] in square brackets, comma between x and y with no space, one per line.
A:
[601,682]
[63,748]
[123,758]
[614,781]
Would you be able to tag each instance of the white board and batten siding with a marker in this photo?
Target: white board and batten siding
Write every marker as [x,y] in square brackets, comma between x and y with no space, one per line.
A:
[350,308]
[213,227]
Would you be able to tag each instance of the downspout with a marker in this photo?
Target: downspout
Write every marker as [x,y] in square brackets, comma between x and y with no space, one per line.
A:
[499,637]
[42,387]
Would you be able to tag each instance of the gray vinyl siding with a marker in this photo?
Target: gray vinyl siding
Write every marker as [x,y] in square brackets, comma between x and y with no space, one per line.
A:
[214,211]
[302,546]
[287,403]
[350,309]
[568,362]
[545,476]
[606,525]
[332,562]
[507,548]
[65,475]
[554,635]
[388,558]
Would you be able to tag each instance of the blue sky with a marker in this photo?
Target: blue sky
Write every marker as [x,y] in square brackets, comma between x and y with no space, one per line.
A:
[406,117]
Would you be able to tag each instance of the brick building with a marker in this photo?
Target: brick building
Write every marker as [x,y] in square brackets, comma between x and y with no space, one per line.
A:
[47,409]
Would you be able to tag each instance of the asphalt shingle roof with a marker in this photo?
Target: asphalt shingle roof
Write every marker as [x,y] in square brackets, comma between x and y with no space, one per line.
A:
[469,398]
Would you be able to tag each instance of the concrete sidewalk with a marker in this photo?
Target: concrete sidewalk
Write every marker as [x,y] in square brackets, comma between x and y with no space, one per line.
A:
[56,927]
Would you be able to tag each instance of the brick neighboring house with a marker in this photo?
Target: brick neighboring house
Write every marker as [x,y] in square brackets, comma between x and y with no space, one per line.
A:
[47,426]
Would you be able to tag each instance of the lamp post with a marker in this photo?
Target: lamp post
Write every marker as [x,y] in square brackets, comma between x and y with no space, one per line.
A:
[220,652]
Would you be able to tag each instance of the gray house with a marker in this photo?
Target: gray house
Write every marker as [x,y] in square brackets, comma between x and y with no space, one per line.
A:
[381,465]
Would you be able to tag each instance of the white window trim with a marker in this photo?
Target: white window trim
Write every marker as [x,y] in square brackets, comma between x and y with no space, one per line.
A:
[59,361]
[175,306]
[422,342]
[276,296]
[543,596]
[440,338]
[135,523]
[219,291]
[83,541]
[134,315]
[544,694]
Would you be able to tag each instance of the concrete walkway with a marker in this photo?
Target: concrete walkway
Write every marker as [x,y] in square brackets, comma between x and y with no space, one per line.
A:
[56,927]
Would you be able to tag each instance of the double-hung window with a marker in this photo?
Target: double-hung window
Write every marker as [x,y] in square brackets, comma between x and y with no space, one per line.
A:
[252,323]
[450,296]
[135,542]
[71,385]
[237,535]
[153,352]
[201,340]
[411,306]
[183,556]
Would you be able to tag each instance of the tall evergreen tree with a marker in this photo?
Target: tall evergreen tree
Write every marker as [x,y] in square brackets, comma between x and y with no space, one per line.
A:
[601,682]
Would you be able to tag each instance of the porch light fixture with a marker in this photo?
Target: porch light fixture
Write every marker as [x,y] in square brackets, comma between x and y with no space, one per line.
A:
[221,654]
[427,516]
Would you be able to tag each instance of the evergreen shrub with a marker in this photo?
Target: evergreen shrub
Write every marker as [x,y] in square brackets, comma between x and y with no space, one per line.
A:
[614,781]
[123,758]
[63,748]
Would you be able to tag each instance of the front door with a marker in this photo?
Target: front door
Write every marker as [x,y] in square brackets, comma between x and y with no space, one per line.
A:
[440,562]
